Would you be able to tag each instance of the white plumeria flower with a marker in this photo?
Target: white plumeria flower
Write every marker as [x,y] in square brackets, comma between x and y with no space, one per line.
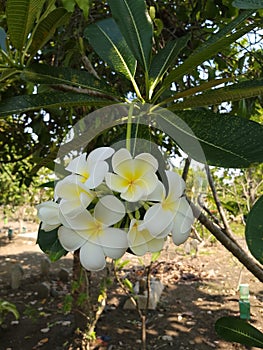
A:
[93,234]
[173,214]
[48,213]
[92,168]
[134,178]
[141,241]
[74,194]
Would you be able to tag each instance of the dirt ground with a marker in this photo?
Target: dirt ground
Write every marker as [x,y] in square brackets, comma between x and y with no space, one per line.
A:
[197,291]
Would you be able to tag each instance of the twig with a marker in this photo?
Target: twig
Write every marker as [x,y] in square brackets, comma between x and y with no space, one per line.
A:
[202,205]
[64,87]
[186,168]
[227,230]
[136,304]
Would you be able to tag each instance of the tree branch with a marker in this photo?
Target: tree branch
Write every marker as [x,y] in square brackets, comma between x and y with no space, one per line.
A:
[248,261]
[227,230]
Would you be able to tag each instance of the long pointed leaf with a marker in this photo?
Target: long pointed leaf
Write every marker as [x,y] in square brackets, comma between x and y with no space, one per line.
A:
[218,139]
[248,4]
[136,27]
[216,43]
[107,40]
[164,59]
[21,15]
[19,104]
[207,85]
[44,74]
[235,92]
[236,330]
[254,230]
[47,27]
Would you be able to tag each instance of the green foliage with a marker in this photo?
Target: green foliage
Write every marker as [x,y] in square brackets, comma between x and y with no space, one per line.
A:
[215,43]
[21,15]
[226,141]
[254,230]
[48,100]
[248,4]
[127,283]
[136,27]
[5,308]
[237,330]
[46,29]
[107,40]
[49,244]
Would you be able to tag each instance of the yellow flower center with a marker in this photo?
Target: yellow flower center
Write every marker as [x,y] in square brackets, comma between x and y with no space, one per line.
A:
[168,204]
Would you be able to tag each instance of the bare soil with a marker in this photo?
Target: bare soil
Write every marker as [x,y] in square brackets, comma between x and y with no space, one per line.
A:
[197,291]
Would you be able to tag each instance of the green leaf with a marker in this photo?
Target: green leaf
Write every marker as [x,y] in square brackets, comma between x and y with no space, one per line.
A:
[213,45]
[2,39]
[236,330]
[24,103]
[8,73]
[21,15]
[218,139]
[254,230]
[128,284]
[248,4]
[84,5]
[234,92]
[5,307]
[107,40]
[45,74]
[136,27]
[47,27]
[165,58]
[49,244]
[69,5]
[155,256]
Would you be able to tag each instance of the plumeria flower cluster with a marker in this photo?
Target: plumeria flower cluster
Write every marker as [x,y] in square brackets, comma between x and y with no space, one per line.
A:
[99,211]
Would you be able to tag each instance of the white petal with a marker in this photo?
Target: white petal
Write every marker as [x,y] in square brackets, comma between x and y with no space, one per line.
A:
[109,210]
[82,221]
[158,221]
[92,257]
[97,174]
[120,156]
[113,237]
[116,183]
[79,165]
[141,242]
[114,242]
[70,187]
[179,238]
[100,153]
[176,184]
[49,212]
[74,207]
[158,194]
[184,217]
[133,169]
[148,182]
[155,245]
[136,239]
[69,239]
[47,227]
[148,158]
